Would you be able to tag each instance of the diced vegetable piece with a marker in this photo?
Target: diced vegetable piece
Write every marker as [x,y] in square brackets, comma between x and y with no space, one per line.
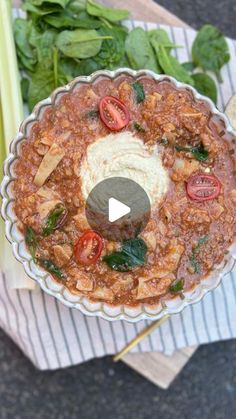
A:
[49,163]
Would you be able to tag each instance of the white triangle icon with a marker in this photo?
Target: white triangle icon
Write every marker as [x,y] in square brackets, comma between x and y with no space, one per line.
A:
[116,209]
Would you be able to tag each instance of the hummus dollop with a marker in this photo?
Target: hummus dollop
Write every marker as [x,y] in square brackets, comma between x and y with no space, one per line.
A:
[124,155]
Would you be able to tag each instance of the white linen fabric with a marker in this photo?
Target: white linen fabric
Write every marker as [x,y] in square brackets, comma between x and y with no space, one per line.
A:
[53,336]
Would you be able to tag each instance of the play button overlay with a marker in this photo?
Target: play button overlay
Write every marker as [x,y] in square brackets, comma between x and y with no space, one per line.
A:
[118,208]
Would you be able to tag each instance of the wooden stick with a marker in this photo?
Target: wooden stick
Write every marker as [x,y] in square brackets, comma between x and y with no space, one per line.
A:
[145,332]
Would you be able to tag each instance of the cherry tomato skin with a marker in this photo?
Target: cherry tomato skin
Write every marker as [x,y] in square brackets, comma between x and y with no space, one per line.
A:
[88,248]
[114,114]
[202,187]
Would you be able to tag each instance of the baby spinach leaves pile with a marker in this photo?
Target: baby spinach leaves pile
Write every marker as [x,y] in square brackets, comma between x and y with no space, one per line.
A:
[62,39]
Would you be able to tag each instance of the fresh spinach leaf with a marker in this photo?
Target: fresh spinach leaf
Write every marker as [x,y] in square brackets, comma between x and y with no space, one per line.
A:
[51,267]
[171,66]
[210,50]
[24,83]
[113,49]
[88,66]
[177,286]
[205,85]
[31,241]
[160,37]
[111,14]
[189,66]
[193,259]
[61,3]
[61,20]
[25,52]
[44,45]
[132,254]
[43,82]
[80,43]
[139,92]
[43,10]
[139,51]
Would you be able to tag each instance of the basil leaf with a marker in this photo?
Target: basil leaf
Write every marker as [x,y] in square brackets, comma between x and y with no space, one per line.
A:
[53,219]
[139,51]
[132,254]
[139,92]
[177,286]
[210,50]
[139,127]
[172,67]
[205,85]
[51,267]
[80,43]
[31,241]
[193,259]
[111,14]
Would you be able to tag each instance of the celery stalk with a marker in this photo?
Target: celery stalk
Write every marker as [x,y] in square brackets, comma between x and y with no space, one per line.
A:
[12,115]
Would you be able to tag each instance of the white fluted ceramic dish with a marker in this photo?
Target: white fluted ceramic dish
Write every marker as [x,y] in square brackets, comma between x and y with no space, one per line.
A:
[43,278]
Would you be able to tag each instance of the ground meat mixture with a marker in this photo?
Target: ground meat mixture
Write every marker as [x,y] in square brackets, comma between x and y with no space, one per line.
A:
[187,234]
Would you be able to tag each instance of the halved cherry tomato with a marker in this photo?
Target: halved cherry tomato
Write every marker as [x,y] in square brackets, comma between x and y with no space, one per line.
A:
[113,113]
[202,187]
[88,248]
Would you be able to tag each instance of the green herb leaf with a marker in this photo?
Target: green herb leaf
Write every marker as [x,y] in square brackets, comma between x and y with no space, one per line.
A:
[94,113]
[53,219]
[132,254]
[80,43]
[139,51]
[139,127]
[139,92]
[199,152]
[51,267]
[171,66]
[205,85]
[193,258]
[177,286]
[111,14]
[31,241]
[210,50]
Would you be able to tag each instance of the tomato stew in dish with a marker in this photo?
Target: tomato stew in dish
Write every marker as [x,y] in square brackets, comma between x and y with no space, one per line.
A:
[155,134]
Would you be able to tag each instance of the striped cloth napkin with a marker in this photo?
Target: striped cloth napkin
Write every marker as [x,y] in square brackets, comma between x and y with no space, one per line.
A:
[54,336]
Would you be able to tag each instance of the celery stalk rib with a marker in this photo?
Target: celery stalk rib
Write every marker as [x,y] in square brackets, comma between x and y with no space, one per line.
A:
[11,117]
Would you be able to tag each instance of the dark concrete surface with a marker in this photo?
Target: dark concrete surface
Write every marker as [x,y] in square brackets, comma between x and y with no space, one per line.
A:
[100,389]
